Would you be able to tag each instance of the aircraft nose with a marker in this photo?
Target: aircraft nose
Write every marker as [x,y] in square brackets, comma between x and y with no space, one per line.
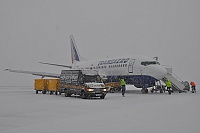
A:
[160,72]
[156,71]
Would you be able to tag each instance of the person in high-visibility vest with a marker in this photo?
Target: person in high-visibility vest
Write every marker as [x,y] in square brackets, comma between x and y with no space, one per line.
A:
[123,86]
[193,87]
[169,86]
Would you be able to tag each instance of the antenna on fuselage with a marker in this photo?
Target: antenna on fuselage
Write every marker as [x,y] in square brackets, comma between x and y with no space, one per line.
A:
[156,58]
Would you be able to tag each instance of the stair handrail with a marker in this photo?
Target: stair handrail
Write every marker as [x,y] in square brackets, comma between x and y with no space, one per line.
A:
[177,77]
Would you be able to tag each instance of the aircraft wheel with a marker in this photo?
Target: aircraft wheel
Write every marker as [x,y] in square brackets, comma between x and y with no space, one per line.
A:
[146,90]
[142,91]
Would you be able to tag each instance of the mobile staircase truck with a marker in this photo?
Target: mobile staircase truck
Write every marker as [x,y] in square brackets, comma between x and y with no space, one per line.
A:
[85,83]
[177,83]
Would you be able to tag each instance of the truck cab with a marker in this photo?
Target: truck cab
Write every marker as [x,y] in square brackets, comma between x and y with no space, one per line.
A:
[85,83]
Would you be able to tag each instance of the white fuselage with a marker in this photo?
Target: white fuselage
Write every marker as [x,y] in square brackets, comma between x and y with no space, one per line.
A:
[139,66]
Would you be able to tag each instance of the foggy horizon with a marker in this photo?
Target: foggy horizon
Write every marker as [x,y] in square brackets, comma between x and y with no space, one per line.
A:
[34,31]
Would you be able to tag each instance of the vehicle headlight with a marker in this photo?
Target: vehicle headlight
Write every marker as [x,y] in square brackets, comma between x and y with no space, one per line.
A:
[89,89]
[104,89]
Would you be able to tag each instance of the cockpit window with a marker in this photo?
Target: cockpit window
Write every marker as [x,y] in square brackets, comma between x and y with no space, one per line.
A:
[146,63]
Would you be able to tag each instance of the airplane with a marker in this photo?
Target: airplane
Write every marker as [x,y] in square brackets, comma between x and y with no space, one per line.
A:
[140,71]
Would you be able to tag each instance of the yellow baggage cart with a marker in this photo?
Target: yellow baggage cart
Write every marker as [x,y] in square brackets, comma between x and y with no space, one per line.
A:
[40,85]
[53,85]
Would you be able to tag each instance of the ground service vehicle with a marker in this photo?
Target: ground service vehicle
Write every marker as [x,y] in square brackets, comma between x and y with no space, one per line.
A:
[113,86]
[85,83]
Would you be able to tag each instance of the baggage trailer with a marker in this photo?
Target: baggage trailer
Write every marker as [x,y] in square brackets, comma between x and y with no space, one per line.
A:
[47,85]
[40,85]
[113,86]
[85,83]
[53,85]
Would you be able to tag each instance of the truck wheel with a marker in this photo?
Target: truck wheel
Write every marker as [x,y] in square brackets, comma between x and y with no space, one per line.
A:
[36,92]
[51,92]
[112,90]
[56,92]
[43,92]
[69,94]
[83,95]
[102,97]
[119,89]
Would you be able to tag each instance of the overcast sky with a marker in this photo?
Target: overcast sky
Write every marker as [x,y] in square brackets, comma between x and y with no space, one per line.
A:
[39,30]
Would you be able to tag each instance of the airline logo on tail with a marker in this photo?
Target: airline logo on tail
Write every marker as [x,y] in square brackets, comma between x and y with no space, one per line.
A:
[74,52]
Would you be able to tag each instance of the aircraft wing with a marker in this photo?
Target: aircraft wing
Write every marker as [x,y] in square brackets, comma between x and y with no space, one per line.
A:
[43,74]
[55,64]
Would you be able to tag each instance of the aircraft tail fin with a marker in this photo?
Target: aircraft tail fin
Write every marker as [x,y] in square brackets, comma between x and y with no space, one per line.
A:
[75,56]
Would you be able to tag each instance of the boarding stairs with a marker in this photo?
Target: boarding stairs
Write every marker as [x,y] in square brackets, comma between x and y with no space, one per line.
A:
[177,83]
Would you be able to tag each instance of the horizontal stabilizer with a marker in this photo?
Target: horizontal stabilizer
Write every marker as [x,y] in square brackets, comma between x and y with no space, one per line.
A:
[55,65]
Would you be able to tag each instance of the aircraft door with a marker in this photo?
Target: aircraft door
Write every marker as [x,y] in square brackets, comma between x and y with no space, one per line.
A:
[130,65]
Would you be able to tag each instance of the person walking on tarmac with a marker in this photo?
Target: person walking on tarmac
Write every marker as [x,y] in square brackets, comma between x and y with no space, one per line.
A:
[123,86]
[193,87]
[169,86]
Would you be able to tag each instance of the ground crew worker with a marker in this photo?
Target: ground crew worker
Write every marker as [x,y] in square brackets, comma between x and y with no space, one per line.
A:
[169,86]
[193,87]
[123,86]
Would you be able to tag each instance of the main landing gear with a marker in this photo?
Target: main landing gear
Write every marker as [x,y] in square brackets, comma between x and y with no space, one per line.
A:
[144,90]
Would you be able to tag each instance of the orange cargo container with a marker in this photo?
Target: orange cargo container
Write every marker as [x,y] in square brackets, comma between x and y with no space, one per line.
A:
[40,85]
[53,85]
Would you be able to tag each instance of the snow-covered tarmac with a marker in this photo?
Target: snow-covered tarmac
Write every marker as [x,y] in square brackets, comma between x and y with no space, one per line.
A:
[23,111]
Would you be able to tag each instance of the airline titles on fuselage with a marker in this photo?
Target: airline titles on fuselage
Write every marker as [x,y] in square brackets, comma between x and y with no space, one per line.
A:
[110,63]
[114,61]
